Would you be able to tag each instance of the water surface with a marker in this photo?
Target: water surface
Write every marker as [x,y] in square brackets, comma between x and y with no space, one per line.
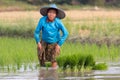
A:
[113,73]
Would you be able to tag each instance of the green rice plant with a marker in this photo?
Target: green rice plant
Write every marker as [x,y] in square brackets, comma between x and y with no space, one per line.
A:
[48,64]
[85,56]
[81,62]
[19,51]
[100,66]
[75,60]
[16,51]
[89,61]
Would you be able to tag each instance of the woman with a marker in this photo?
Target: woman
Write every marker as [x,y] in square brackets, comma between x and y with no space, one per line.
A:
[49,43]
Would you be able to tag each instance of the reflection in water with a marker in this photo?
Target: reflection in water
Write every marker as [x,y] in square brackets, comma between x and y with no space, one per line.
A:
[113,73]
[78,76]
[48,74]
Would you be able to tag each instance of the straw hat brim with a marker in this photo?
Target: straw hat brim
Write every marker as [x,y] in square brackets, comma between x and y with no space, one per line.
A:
[60,14]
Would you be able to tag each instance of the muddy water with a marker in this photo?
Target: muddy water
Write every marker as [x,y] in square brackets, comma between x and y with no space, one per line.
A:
[113,73]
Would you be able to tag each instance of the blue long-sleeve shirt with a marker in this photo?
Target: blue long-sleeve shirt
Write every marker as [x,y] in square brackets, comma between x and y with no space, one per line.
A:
[51,31]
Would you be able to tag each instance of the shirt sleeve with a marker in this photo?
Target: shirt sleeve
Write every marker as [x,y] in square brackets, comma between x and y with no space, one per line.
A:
[64,33]
[37,31]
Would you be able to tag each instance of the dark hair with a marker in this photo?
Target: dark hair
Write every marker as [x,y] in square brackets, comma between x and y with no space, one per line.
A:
[53,9]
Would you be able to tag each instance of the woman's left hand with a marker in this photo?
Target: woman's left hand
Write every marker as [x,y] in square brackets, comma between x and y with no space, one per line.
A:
[57,49]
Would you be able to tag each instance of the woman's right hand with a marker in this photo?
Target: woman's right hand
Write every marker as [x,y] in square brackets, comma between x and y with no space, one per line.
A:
[39,45]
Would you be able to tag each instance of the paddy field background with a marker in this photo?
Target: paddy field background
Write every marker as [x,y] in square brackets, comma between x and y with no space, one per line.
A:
[91,32]
[91,52]
[94,37]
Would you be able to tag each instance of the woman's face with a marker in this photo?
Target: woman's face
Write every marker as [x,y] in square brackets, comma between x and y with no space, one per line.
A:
[52,14]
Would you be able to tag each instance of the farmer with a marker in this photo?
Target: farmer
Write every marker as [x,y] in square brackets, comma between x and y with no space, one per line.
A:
[50,41]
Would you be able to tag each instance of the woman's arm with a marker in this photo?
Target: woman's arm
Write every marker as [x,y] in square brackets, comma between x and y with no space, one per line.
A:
[64,33]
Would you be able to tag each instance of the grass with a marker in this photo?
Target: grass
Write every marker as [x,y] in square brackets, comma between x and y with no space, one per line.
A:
[79,56]
[17,30]
[100,66]
[92,24]
[99,24]
[18,51]
[99,53]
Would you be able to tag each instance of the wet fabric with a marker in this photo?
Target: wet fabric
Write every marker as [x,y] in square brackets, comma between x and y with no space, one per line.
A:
[47,53]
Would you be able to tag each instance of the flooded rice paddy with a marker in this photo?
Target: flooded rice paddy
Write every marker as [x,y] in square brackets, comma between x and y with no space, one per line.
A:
[113,73]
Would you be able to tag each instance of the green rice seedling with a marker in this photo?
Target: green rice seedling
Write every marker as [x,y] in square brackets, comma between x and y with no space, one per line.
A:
[81,61]
[76,60]
[48,64]
[73,61]
[31,66]
[100,66]
[60,60]
[14,68]
[90,61]
[114,53]
[86,54]
[69,63]
[8,68]
[66,63]
[37,66]
[18,51]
